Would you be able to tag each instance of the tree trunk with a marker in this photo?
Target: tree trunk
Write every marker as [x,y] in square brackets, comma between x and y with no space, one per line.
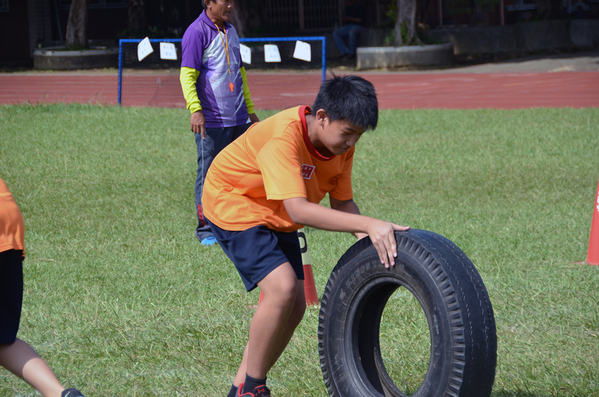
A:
[136,16]
[77,25]
[405,23]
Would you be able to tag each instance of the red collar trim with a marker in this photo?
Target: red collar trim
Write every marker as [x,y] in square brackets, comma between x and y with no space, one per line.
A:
[303,111]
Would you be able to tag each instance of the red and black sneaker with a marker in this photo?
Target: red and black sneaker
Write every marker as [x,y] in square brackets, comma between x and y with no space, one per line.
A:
[71,393]
[259,391]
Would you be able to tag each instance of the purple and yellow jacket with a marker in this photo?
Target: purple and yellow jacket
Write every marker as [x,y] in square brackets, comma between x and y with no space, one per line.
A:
[210,83]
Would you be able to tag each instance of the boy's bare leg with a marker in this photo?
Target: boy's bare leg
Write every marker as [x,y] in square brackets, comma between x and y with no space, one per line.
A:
[274,322]
[20,359]
[294,319]
[240,376]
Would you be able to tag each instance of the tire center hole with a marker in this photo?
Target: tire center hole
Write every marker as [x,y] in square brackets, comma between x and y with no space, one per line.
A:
[405,341]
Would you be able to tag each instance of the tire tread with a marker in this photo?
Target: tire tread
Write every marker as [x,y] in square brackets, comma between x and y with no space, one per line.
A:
[463,296]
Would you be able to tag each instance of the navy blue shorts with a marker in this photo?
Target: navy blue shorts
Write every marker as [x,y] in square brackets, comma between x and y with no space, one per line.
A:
[258,251]
[11,294]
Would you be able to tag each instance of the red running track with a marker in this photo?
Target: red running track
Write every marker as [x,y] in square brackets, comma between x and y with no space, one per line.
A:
[395,90]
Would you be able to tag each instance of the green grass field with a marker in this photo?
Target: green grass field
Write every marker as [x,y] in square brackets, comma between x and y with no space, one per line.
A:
[121,299]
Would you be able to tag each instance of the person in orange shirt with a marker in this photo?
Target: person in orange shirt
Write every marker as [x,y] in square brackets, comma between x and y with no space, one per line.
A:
[266,185]
[16,355]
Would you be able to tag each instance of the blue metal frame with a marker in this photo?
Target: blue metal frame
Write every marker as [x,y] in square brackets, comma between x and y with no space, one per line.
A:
[241,40]
[305,38]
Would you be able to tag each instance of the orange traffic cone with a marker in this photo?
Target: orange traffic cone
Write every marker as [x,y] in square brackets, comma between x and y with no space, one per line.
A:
[593,254]
[309,285]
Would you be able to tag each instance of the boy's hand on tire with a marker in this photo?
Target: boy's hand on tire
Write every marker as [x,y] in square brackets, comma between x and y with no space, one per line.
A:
[382,235]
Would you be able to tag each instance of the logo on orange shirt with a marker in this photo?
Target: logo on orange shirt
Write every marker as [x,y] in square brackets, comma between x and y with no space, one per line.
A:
[307,171]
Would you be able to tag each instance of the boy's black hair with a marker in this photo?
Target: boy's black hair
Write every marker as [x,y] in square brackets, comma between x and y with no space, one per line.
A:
[349,98]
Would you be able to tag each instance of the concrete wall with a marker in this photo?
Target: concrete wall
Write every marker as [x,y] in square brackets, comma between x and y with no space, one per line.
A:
[56,59]
[512,39]
[585,33]
[368,38]
[391,57]
[520,38]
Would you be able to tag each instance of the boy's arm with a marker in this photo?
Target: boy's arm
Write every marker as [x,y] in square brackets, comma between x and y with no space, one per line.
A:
[350,207]
[382,233]
[246,95]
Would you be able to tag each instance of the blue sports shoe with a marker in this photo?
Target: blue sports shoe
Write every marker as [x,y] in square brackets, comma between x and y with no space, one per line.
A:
[209,240]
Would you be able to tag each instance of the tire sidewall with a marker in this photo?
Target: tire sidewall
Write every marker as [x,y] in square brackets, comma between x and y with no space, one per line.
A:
[354,281]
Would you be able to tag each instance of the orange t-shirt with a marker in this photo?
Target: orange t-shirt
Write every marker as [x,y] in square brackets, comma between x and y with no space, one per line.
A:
[272,161]
[12,228]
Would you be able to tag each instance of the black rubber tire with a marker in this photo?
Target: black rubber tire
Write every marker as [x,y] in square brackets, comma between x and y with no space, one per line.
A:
[453,297]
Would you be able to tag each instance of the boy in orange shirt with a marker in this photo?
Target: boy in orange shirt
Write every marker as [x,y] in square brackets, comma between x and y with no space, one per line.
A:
[266,185]
[16,355]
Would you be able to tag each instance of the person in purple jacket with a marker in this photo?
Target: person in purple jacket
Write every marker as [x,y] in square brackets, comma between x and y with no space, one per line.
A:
[215,88]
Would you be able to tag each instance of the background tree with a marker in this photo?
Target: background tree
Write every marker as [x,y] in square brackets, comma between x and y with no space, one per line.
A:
[76,36]
[405,23]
